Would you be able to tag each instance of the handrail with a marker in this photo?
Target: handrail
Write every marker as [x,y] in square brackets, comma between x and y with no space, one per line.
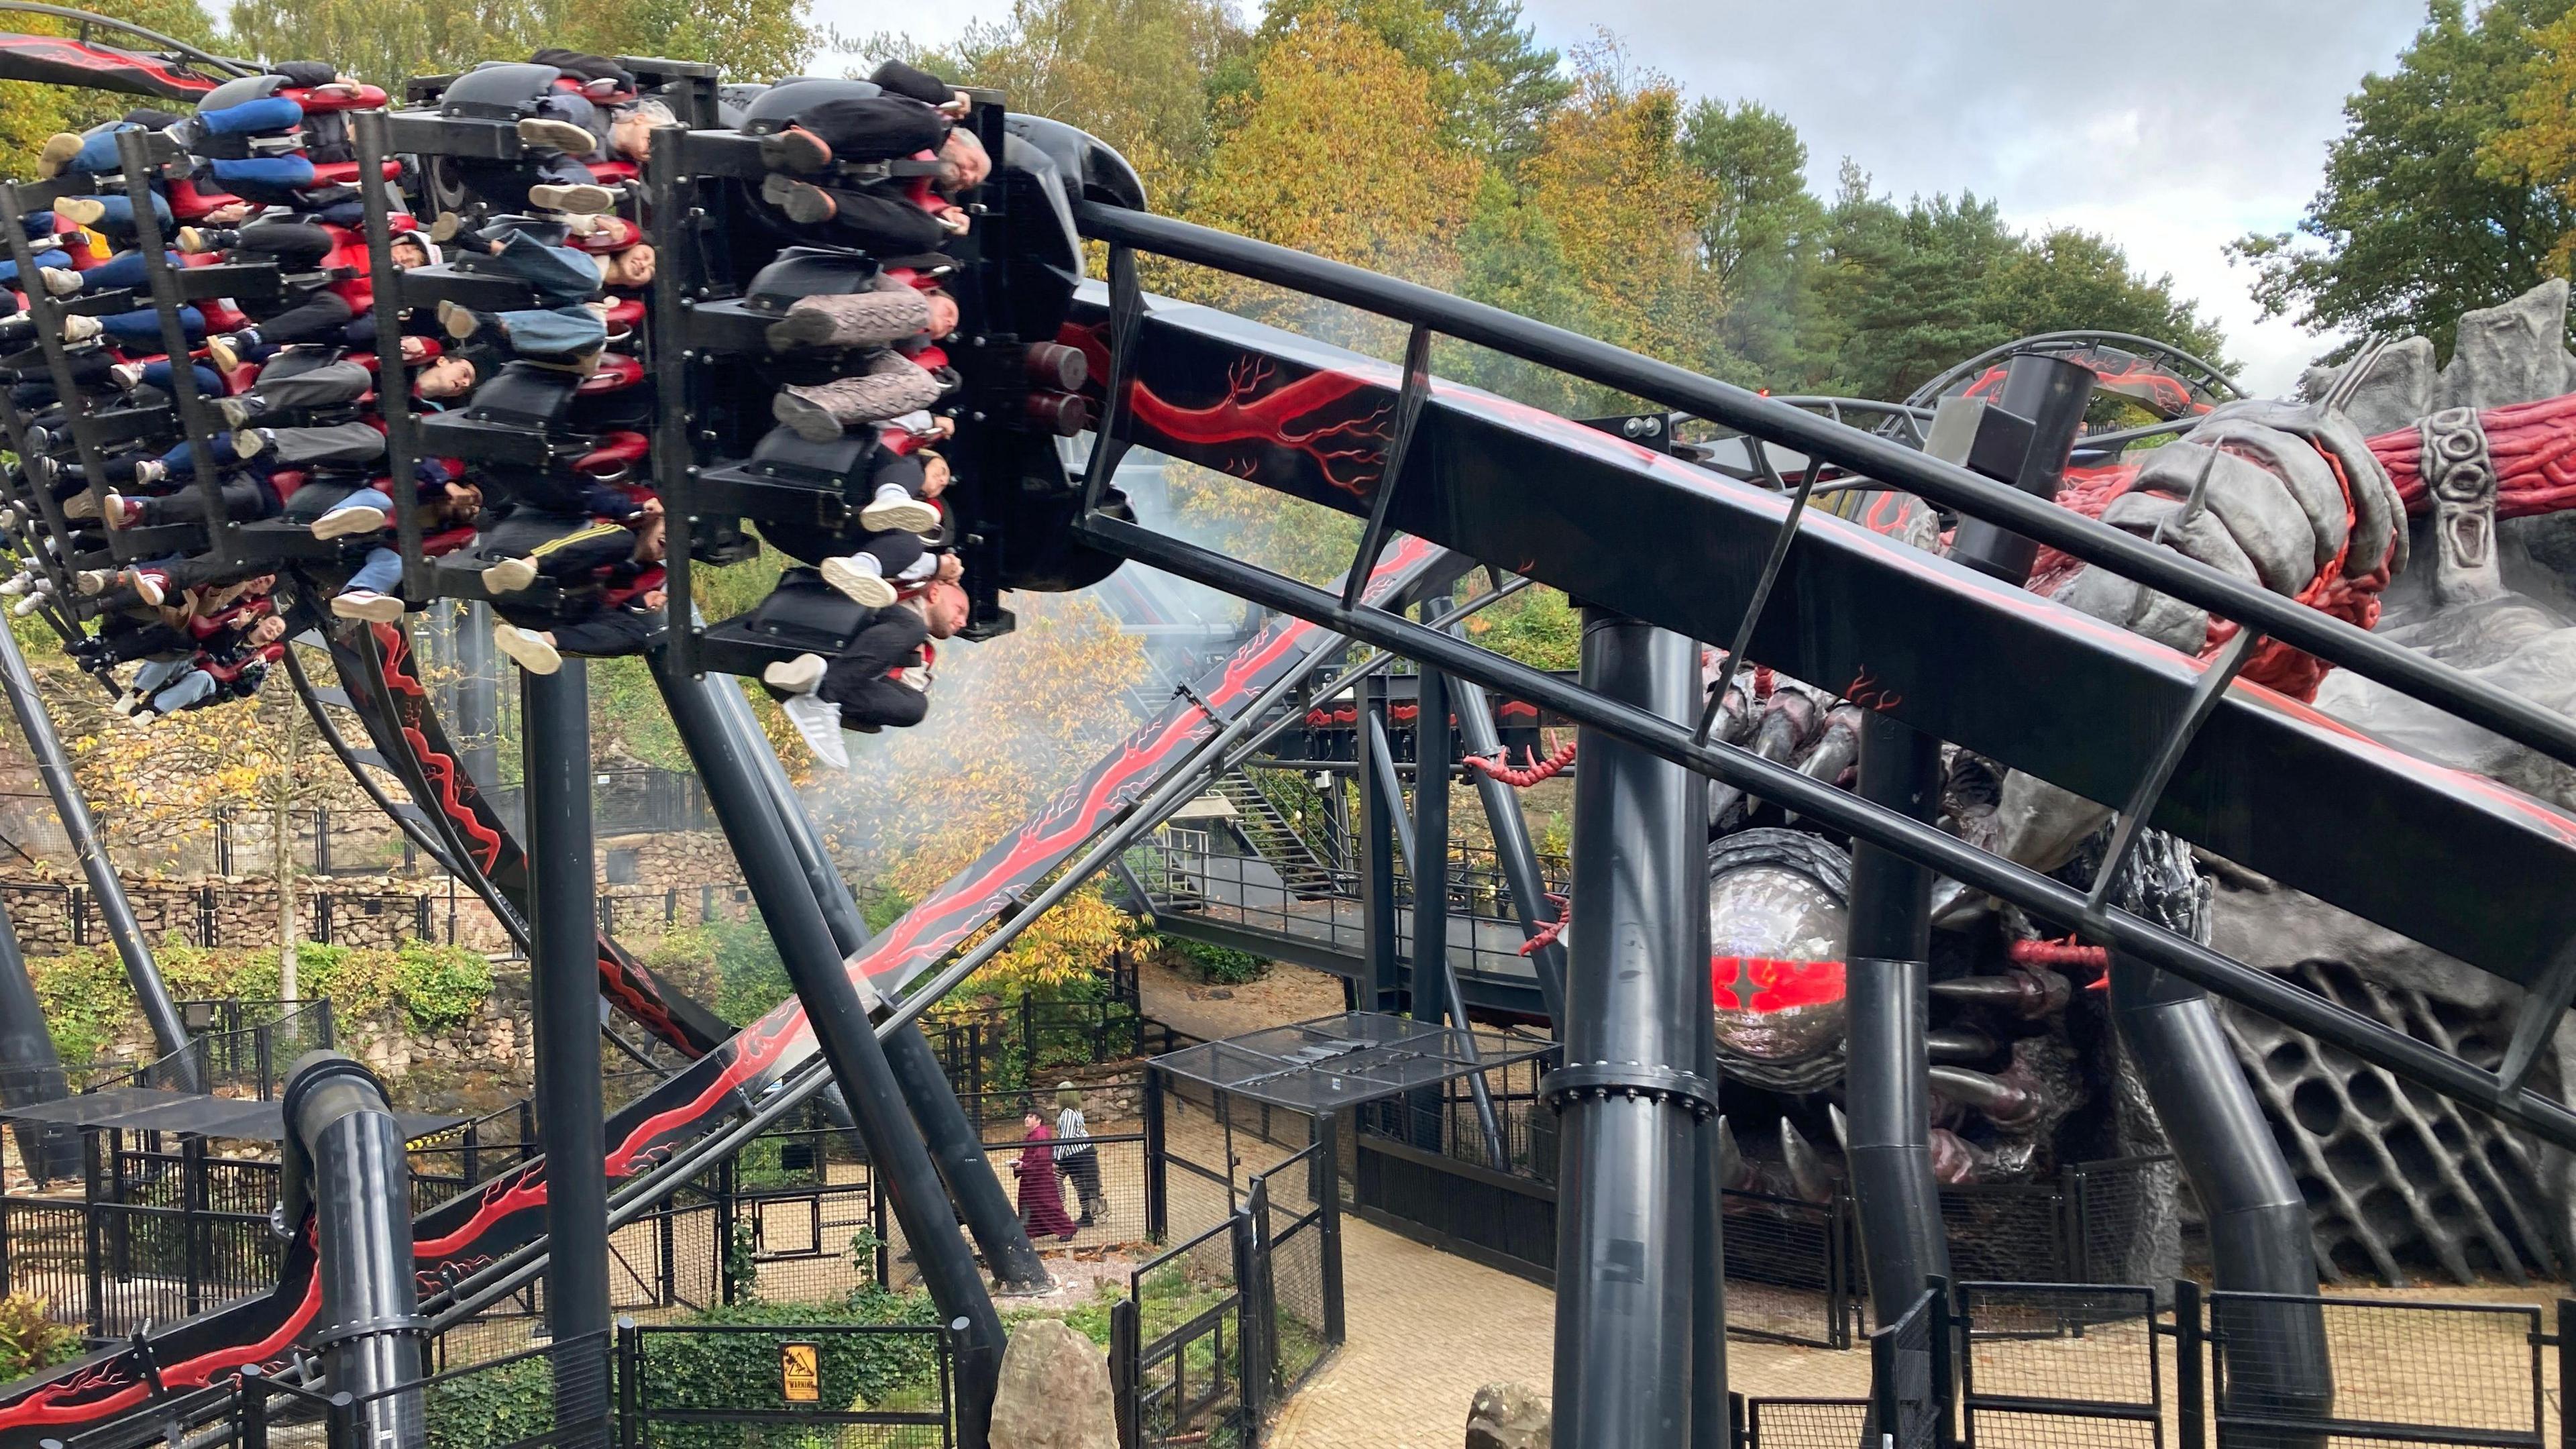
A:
[85,18]
[2038,340]
[2276,615]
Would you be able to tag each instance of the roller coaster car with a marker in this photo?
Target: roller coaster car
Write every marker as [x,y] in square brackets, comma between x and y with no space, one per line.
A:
[517,416]
[802,615]
[1015,500]
[289,535]
[468,284]
[741,324]
[790,482]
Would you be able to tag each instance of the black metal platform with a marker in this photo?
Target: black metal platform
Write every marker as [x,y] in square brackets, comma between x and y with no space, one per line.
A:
[1333,1062]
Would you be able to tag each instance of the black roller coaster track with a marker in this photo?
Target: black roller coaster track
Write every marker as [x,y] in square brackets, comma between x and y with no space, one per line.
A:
[2247,773]
[476,1248]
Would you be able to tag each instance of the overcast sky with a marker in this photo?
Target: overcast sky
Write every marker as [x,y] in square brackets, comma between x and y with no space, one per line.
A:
[2172,127]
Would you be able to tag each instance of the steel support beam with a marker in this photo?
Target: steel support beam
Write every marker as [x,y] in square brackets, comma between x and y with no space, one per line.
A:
[344,1156]
[1631,1091]
[30,1069]
[1384,988]
[1512,848]
[839,1017]
[2420,1063]
[2259,1229]
[956,1148]
[563,969]
[1887,1072]
[151,996]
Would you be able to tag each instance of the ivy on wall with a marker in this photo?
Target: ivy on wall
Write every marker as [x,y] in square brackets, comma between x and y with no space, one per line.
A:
[87,1000]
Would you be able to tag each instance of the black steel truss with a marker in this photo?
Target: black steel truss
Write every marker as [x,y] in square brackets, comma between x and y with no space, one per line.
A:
[2181,746]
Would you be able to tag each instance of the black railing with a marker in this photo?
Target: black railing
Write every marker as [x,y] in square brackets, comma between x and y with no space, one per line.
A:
[2084,1363]
[635,800]
[1020,1046]
[1219,1329]
[1794,1270]
[695,1386]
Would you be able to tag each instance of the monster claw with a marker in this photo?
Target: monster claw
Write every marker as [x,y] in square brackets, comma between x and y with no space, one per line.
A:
[2008,1105]
[1953,1161]
[1731,1171]
[1959,1044]
[1842,1128]
[1806,1170]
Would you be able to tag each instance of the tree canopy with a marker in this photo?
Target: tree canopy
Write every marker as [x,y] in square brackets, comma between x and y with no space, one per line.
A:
[2430,207]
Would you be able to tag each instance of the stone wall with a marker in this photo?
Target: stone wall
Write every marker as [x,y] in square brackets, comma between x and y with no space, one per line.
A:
[647,883]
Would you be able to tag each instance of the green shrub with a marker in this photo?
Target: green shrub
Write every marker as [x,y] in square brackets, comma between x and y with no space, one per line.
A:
[87,1000]
[29,1340]
[506,1405]
[440,986]
[740,1370]
[1218,965]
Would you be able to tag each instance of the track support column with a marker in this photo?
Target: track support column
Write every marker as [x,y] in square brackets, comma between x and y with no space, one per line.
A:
[839,1018]
[2259,1239]
[1888,1072]
[30,1070]
[564,970]
[151,996]
[1383,989]
[1631,1093]
[955,1146]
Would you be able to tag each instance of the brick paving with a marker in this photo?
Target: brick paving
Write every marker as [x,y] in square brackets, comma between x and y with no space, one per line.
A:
[1427,1329]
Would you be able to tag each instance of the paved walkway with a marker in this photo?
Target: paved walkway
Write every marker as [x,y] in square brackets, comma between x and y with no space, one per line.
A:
[1428,1329]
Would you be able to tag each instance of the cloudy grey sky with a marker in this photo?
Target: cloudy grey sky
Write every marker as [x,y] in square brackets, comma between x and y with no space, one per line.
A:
[2173,126]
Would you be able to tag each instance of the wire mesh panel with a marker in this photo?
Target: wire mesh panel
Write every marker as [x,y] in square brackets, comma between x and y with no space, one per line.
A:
[2126,1221]
[1297,1285]
[2006,1232]
[2452,1373]
[511,1402]
[1908,1386]
[1788,1270]
[1805,1423]
[2052,1363]
[1189,1359]
[816,1245]
[786,1386]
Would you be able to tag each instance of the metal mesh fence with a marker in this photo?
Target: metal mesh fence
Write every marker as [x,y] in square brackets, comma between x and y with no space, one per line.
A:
[2048,1364]
[1805,1423]
[788,1386]
[2126,1221]
[1906,1388]
[2469,1373]
[1291,1231]
[2006,1232]
[550,1394]
[2089,1345]
[812,1245]
[1190,1335]
[1788,1270]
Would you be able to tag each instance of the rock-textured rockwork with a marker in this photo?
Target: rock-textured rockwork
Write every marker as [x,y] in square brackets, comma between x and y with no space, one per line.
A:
[1054,1392]
[1508,1416]
[2404,1184]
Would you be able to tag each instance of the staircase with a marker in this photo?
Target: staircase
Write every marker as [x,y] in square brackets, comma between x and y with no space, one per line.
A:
[1270,834]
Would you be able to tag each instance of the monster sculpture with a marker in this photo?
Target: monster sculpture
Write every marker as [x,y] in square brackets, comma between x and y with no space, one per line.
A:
[2414,501]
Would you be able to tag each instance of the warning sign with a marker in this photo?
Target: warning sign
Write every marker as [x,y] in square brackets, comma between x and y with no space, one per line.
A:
[800,1372]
